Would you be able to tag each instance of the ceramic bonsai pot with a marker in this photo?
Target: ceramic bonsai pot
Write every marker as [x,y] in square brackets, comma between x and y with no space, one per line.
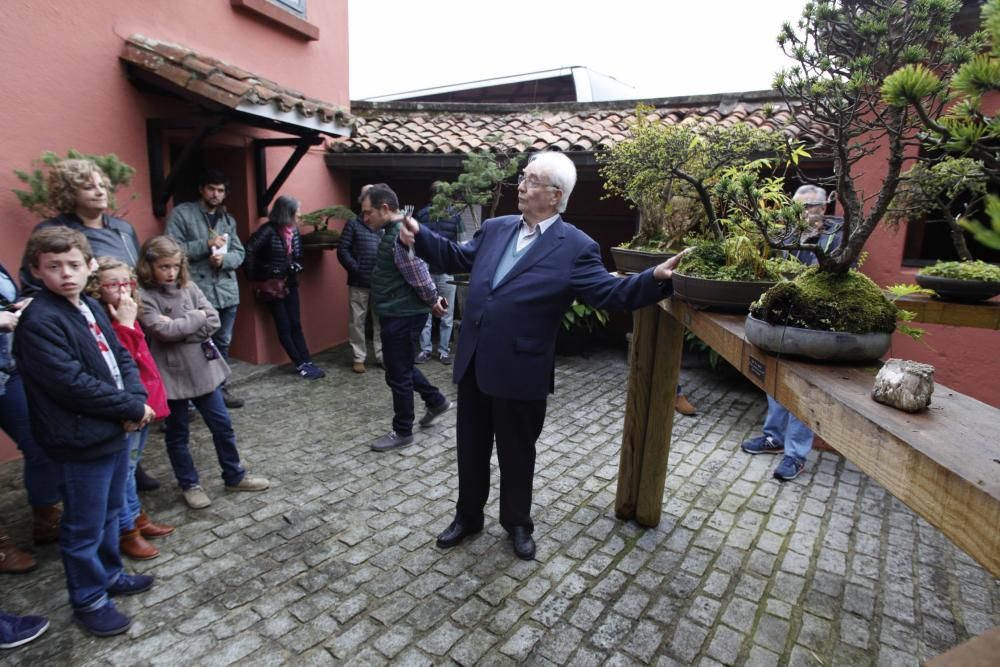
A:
[732,295]
[819,345]
[963,291]
[637,261]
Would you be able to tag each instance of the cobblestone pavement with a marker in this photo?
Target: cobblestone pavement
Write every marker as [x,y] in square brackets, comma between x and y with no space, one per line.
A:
[336,564]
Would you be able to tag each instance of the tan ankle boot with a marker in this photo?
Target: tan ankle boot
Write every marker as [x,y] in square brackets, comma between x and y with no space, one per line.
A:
[135,546]
[149,528]
[683,406]
[46,528]
[12,559]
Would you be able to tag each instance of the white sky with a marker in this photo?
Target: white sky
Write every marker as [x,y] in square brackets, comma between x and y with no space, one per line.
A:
[663,48]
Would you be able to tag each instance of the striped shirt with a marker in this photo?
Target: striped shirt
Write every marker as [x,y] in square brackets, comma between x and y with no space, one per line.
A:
[415,272]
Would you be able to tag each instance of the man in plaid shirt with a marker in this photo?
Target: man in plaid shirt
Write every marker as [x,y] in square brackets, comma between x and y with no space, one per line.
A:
[403,293]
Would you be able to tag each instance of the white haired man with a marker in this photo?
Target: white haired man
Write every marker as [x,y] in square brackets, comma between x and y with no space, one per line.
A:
[525,270]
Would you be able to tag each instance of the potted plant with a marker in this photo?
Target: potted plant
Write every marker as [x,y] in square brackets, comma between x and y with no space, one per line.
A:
[843,52]
[323,236]
[960,163]
[36,197]
[732,273]
[579,324]
[667,173]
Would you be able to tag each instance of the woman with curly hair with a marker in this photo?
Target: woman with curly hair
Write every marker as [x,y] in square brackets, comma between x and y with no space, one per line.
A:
[79,190]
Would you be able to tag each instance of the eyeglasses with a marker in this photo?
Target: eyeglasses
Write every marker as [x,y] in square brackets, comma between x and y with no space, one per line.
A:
[115,287]
[533,182]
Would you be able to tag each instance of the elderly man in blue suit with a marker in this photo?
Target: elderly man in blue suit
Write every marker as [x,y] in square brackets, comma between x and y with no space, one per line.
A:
[525,272]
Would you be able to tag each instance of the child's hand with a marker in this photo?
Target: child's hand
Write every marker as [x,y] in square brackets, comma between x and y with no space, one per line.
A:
[126,312]
[163,319]
[149,414]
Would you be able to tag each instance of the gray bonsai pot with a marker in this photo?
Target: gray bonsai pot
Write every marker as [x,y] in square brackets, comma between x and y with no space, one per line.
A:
[818,345]
[731,295]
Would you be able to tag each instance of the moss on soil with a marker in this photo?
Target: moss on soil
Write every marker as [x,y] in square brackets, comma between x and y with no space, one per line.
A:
[828,302]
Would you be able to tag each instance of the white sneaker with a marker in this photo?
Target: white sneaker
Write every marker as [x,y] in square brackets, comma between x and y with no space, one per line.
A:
[196,498]
[249,483]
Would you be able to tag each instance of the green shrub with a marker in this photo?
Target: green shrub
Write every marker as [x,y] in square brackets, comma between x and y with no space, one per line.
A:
[36,197]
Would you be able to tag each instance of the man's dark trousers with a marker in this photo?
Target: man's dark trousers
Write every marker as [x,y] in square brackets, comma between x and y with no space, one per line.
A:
[517,425]
[400,336]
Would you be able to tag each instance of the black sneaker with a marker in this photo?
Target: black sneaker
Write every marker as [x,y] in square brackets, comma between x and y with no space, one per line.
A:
[434,413]
[390,441]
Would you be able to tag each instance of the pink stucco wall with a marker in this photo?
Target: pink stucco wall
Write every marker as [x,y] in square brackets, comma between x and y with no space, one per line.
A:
[64,87]
[964,358]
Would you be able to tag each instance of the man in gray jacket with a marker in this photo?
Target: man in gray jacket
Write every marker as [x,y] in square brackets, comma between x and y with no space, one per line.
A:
[207,233]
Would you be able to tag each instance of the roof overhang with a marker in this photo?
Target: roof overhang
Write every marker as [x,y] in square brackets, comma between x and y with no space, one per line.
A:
[221,88]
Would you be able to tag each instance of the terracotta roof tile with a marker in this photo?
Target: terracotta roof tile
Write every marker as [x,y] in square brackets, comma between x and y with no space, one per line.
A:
[449,128]
[226,84]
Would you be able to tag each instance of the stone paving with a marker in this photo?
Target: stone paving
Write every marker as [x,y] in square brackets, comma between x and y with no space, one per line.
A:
[336,564]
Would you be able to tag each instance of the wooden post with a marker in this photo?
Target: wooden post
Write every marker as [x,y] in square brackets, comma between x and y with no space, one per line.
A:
[640,372]
[660,419]
[654,366]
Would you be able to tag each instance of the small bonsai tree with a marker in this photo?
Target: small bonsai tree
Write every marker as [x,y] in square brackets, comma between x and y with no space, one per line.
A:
[668,171]
[36,197]
[482,182]
[961,160]
[844,51]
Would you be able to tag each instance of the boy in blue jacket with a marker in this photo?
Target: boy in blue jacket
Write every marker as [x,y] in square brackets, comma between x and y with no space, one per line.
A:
[84,395]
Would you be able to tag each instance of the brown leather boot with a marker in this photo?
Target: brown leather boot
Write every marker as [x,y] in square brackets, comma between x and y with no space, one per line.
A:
[46,528]
[12,559]
[135,546]
[149,528]
[683,406]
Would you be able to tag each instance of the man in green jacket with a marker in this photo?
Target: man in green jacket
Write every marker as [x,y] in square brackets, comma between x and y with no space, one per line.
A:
[208,235]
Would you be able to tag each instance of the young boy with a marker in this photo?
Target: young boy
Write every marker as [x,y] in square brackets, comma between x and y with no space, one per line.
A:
[83,394]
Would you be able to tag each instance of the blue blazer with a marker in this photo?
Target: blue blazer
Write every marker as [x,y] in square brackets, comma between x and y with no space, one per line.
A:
[510,330]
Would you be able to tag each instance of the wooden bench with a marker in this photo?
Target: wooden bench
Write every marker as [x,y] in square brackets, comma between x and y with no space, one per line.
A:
[943,463]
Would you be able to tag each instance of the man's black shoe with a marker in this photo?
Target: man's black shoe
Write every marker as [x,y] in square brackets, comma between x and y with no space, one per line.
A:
[455,533]
[524,545]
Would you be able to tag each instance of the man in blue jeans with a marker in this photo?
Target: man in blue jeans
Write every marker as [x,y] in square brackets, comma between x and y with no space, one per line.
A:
[450,228]
[403,293]
[783,432]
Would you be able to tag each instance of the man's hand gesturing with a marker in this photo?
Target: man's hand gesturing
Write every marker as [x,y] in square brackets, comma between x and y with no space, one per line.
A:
[408,231]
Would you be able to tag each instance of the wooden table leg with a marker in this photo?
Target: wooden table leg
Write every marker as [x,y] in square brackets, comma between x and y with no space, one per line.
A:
[660,419]
[654,367]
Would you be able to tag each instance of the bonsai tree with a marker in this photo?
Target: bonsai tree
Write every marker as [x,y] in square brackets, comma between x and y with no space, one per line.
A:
[320,219]
[482,182]
[961,161]
[36,197]
[668,171]
[844,50]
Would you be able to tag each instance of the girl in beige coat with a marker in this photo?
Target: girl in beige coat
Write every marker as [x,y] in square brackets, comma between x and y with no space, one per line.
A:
[180,322]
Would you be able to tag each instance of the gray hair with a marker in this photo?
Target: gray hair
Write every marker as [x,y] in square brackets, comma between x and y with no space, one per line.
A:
[560,171]
[810,194]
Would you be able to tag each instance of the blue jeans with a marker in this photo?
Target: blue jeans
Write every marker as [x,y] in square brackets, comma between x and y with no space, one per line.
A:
[41,474]
[224,336]
[782,426]
[213,411]
[289,326]
[92,492]
[131,506]
[447,290]
[399,340]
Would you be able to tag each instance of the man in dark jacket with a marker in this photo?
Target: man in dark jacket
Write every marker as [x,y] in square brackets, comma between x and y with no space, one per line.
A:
[84,394]
[525,272]
[402,294]
[356,252]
